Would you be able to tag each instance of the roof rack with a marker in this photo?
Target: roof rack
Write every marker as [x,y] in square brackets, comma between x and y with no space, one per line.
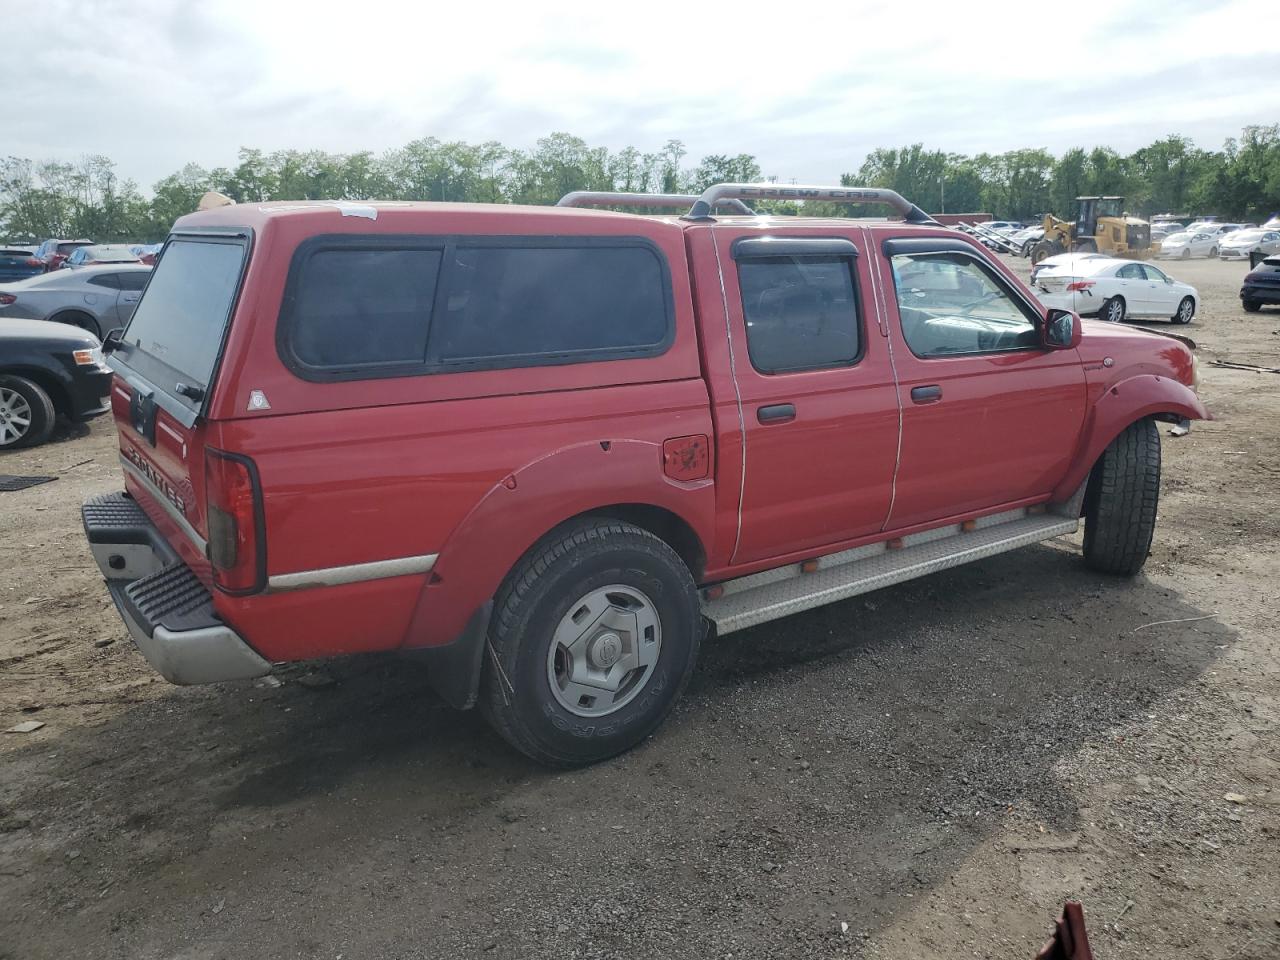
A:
[701,210]
[602,198]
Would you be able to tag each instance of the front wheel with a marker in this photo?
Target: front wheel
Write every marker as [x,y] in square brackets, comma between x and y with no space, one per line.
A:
[594,637]
[1252,306]
[1120,503]
[1186,310]
[26,413]
[1113,310]
[1042,250]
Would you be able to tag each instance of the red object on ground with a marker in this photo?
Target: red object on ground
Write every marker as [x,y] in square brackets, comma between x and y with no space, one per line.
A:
[1070,942]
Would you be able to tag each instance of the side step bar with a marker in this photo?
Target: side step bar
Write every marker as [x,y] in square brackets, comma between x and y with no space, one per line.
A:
[761,597]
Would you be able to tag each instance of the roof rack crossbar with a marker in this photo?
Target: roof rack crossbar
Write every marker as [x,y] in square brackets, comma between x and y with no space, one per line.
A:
[603,198]
[771,191]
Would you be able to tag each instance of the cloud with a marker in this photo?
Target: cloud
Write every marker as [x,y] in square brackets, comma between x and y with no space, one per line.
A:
[158,84]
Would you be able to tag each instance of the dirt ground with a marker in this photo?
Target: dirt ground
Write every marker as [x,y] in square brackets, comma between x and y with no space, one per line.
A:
[924,772]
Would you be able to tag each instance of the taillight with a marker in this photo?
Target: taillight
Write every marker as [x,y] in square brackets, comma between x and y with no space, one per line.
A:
[6,299]
[237,536]
[33,262]
[1080,284]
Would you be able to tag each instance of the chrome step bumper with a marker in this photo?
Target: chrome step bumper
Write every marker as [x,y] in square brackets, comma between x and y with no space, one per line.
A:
[772,594]
[166,609]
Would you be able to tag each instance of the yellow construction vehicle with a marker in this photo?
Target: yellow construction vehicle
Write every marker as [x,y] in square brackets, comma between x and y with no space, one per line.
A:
[1101,226]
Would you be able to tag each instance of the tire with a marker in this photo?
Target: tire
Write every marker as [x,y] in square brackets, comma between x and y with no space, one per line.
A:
[1041,250]
[1120,503]
[537,657]
[1113,310]
[1251,306]
[1213,252]
[81,320]
[26,413]
[1186,310]
[1084,246]
[1186,253]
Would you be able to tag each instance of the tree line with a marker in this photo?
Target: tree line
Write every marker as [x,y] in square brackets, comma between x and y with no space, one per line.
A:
[88,198]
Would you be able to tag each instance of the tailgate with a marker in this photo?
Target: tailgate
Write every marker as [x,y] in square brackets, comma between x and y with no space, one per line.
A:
[165,364]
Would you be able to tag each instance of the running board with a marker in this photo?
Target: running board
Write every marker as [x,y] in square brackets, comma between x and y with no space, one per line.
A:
[780,592]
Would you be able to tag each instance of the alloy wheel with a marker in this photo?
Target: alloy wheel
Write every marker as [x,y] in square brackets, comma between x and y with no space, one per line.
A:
[15,416]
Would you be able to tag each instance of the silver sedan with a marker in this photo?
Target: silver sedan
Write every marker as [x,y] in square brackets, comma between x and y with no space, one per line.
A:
[97,299]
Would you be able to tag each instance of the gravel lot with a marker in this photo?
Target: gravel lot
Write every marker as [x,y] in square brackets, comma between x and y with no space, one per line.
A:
[927,771]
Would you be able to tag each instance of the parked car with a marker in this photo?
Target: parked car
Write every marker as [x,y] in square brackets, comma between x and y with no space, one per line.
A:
[1026,238]
[1162,230]
[1272,224]
[48,369]
[98,254]
[97,299]
[1186,245]
[1241,243]
[1117,289]
[581,436]
[146,252]
[1060,260]
[52,253]
[1261,285]
[18,263]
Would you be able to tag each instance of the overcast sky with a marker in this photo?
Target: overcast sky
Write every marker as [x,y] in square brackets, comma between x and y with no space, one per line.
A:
[155,84]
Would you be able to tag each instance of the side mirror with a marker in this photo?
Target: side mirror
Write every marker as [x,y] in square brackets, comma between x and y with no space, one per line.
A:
[112,339]
[1061,330]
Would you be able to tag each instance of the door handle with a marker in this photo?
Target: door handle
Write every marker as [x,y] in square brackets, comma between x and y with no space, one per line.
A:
[930,394]
[777,413]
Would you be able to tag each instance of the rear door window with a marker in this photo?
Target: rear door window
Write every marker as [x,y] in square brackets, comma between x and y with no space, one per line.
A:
[800,311]
[132,281]
[176,332]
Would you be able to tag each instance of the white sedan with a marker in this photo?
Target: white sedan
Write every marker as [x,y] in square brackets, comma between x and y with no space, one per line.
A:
[1116,289]
[1241,243]
[1185,245]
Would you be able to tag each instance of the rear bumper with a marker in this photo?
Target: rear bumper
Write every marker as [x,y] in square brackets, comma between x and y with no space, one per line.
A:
[1261,294]
[1082,303]
[166,609]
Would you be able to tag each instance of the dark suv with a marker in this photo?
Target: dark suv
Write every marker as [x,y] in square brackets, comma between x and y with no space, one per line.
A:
[1261,285]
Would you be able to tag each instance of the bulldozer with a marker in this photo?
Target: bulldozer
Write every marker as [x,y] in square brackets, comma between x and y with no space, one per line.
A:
[1100,226]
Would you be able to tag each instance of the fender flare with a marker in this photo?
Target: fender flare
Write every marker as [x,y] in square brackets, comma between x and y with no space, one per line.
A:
[1123,403]
[521,509]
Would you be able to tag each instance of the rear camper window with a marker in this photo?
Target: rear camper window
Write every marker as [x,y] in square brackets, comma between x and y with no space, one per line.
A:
[176,332]
[358,310]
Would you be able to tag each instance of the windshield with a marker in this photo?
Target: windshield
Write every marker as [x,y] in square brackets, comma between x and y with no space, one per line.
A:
[183,313]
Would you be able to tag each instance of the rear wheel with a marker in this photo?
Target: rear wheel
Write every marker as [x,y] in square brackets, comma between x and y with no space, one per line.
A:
[26,413]
[594,637]
[1113,310]
[82,320]
[1120,504]
[1213,252]
[1251,306]
[1186,253]
[1186,310]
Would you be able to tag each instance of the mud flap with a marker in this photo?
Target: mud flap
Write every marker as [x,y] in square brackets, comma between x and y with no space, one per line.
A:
[454,669]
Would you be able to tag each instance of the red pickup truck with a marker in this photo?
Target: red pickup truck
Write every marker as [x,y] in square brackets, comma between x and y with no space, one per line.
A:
[547,449]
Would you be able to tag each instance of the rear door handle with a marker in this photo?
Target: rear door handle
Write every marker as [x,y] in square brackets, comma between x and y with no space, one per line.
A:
[930,394]
[776,413]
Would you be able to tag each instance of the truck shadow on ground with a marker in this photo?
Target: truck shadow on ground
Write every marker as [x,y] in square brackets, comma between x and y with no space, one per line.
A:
[833,761]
